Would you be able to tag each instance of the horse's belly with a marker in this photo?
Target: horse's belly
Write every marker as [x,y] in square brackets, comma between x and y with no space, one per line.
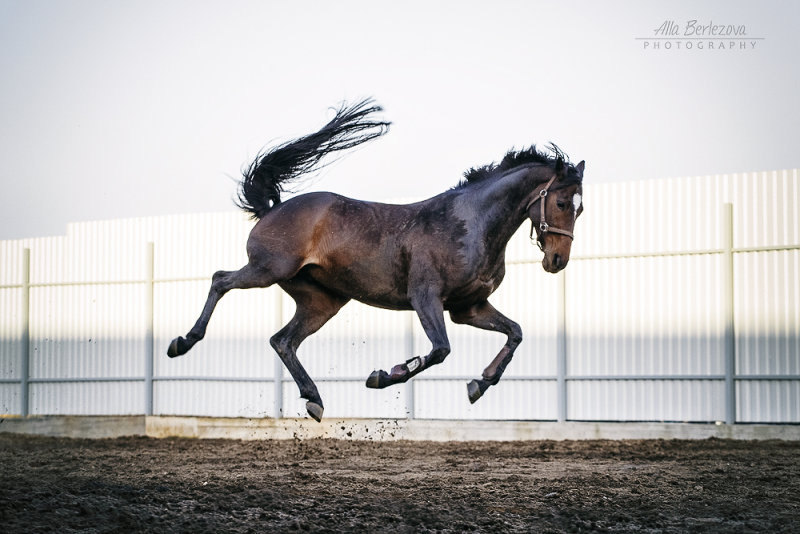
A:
[370,286]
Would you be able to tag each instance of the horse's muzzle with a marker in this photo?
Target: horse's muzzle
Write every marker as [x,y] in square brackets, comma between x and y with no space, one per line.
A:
[552,263]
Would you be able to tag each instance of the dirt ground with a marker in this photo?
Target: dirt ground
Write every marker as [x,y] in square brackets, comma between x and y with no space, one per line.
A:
[324,485]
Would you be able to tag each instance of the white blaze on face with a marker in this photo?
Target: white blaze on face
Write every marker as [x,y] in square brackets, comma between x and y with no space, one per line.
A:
[576,202]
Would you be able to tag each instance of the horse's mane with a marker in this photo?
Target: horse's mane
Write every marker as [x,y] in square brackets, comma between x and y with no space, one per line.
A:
[554,157]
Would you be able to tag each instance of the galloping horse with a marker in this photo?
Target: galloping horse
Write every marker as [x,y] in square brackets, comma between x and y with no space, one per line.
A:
[444,253]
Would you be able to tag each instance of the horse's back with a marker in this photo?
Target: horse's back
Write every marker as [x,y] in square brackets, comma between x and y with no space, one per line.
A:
[314,221]
[352,247]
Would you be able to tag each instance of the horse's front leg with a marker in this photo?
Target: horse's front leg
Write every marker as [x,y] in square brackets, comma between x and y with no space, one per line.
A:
[486,317]
[430,311]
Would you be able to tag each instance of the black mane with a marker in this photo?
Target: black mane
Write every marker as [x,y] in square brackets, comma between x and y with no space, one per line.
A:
[555,157]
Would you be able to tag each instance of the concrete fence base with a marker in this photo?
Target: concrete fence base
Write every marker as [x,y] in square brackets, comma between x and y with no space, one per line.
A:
[379,430]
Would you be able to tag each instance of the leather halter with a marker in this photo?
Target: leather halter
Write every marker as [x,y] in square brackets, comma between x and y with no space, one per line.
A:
[544,228]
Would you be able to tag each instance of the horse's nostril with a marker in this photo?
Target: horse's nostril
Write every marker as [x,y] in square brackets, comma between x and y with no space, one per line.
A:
[558,261]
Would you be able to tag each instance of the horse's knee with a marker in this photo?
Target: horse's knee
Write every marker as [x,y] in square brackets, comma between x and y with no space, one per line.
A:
[438,355]
[515,334]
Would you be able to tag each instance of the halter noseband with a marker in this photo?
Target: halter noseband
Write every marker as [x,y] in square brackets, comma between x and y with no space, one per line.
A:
[544,228]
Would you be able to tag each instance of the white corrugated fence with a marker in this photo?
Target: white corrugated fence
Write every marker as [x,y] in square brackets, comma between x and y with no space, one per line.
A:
[680,303]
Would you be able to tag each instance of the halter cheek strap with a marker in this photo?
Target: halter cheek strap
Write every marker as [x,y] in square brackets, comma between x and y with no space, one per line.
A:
[543,226]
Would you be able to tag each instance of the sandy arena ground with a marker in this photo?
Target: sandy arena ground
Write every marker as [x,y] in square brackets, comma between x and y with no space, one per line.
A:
[324,485]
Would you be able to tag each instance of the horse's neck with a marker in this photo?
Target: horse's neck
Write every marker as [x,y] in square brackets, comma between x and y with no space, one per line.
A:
[502,203]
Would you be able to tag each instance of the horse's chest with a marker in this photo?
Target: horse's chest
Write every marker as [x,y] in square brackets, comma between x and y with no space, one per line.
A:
[476,291]
[484,288]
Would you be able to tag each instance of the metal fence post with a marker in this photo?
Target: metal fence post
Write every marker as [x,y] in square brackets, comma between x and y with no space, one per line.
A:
[149,328]
[25,349]
[409,346]
[561,347]
[277,380]
[729,340]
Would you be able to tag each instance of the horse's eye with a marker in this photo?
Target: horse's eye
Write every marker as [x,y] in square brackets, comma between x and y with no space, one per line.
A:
[561,205]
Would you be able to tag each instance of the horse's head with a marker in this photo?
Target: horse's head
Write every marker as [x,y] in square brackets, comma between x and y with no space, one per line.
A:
[553,210]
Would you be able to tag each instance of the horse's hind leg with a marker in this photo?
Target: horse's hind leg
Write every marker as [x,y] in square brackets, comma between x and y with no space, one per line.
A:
[222,282]
[315,306]
[486,317]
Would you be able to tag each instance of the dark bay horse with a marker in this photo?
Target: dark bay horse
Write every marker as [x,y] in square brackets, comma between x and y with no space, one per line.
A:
[446,253]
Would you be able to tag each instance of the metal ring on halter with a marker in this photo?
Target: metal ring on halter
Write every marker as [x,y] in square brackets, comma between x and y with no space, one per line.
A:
[544,227]
[543,193]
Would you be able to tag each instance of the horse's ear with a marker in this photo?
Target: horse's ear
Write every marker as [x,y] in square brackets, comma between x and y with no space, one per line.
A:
[561,167]
[579,167]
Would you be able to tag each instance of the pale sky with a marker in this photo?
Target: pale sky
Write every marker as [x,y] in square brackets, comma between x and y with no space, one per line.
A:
[125,108]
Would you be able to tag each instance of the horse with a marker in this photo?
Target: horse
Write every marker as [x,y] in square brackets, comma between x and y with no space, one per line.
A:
[446,253]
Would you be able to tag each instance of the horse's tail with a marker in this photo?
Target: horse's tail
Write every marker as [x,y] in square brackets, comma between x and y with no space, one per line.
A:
[266,177]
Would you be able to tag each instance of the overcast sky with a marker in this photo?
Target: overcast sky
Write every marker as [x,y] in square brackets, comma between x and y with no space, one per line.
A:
[113,108]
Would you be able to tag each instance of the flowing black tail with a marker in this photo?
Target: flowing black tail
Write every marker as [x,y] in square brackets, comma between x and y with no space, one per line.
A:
[265,178]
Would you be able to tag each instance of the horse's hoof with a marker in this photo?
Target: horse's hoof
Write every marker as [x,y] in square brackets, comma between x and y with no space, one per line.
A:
[475,391]
[178,347]
[315,410]
[378,380]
